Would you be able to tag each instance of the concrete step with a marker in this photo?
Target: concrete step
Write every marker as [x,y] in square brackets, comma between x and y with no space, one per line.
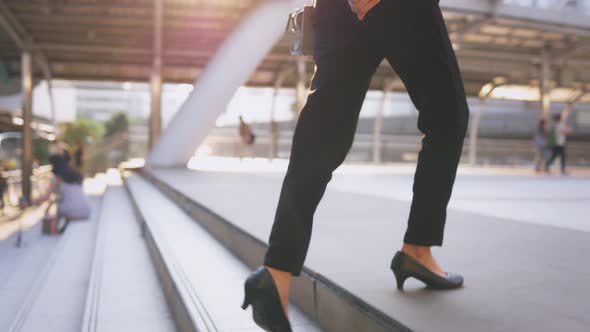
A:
[203,281]
[531,279]
[56,287]
[334,307]
[20,267]
[123,293]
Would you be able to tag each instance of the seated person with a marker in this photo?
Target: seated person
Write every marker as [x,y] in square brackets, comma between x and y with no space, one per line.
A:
[66,184]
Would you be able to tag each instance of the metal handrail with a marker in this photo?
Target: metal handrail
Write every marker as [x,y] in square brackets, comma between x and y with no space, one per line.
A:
[39,180]
[507,151]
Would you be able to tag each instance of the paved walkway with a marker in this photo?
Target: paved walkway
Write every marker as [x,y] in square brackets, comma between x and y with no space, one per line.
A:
[521,275]
[556,201]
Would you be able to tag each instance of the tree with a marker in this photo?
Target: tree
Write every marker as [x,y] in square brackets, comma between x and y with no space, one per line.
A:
[117,124]
[83,130]
[114,147]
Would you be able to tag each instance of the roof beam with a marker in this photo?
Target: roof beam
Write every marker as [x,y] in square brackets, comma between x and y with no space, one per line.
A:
[14,29]
[131,6]
[22,39]
[576,49]
[474,26]
[544,19]
[25,42]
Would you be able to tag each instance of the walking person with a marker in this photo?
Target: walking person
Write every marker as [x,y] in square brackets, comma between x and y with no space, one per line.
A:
[247,139]
[349,46]
[542,144]
[559,134]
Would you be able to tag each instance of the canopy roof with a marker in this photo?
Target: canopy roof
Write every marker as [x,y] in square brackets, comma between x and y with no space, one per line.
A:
[113,40]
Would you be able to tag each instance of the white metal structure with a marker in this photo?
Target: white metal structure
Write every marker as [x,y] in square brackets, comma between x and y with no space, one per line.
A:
[229,69]
[493,38]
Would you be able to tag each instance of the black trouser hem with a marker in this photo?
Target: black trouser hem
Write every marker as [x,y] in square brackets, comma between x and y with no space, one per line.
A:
[283,265]
[411,240]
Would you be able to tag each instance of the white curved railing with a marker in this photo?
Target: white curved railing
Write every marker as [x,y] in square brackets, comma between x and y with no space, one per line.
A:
[577,5]
[569,16]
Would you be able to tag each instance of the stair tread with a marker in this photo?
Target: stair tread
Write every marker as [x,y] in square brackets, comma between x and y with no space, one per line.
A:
[130,297]
[215,275]
[59,300]
[18,269]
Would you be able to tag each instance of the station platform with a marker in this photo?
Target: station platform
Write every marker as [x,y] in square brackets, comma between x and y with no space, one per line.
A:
[518,239]
[169,250]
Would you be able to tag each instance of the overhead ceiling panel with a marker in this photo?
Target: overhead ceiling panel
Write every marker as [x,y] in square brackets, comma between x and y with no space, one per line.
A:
[112,40]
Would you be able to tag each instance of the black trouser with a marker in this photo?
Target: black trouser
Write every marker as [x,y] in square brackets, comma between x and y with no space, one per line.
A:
[557,151]
[412,36]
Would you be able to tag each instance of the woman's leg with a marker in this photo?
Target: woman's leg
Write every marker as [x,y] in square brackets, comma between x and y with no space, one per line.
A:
[322,139]
[554,153]
[540,158]
[417,45]
[563,156]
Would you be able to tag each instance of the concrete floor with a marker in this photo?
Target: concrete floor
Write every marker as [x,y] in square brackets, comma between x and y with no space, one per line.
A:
[537,200]
[517,239]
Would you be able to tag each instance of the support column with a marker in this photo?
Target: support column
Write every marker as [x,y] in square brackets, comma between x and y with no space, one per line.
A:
[52,107]
[27,113]
[155,126]
[571,104]
[378,126]
[301,84]
[274,126]
[545,85]
[156,107]
[484,93]
[474,131]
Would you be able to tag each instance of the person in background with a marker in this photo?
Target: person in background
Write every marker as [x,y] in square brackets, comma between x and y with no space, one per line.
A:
[60,148]
[66,186]
[558,136]
[246,132]
[541,142]
[247,138]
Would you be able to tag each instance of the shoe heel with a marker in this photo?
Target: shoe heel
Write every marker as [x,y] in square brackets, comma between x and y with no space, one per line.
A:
[400,279]
[400,276]
[247,296]
[246,303]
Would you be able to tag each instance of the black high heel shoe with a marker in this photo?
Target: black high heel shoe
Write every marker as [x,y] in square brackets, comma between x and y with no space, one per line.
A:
[263,295]
[404,267]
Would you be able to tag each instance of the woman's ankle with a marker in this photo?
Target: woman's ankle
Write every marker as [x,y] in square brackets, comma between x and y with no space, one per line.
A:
[416,251]
[282,280]
[278,273]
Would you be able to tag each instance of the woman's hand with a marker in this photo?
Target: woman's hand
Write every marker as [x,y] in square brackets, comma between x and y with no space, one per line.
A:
[362,7]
